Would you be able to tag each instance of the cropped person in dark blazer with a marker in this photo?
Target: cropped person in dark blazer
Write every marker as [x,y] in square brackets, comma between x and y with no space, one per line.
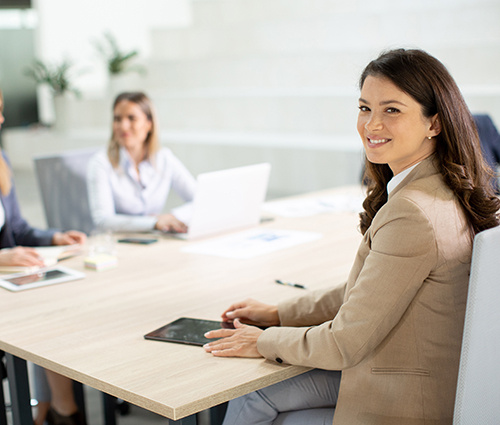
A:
[490,142]
[17,238]
[16,232]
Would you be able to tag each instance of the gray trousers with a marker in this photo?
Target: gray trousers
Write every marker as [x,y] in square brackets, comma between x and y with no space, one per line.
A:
[307,399]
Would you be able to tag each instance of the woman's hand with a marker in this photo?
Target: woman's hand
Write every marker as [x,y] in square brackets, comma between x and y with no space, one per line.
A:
[252,312]
[168,223]
[70,237]
[20,256]
[238,342]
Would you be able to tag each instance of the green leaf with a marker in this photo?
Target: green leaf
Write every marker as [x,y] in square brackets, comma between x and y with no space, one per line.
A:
[57,77]
[117,61]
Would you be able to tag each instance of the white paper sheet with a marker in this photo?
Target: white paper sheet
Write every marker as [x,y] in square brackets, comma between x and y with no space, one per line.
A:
[252,243]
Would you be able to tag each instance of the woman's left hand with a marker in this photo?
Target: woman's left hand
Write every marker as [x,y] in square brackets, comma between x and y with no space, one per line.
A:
[70,237]
[238,342]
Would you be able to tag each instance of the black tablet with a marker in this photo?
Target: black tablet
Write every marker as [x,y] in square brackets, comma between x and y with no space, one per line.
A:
[187,330]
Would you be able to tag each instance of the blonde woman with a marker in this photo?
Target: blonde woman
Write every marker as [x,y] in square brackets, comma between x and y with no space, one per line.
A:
[129,183]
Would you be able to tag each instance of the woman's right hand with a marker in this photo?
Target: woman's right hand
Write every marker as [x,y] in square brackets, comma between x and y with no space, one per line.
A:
[168,223]
[20,256]
[252,312]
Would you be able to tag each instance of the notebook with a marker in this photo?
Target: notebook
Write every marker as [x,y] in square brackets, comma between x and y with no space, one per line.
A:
[225,200]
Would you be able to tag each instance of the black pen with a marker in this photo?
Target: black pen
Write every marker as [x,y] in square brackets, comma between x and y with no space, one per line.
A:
[295,285]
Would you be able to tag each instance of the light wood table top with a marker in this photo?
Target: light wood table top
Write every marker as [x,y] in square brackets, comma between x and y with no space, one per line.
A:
[92,329]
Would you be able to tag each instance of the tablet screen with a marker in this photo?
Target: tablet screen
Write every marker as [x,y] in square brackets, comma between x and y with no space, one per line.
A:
[35,277]
[187,330]
[41,277]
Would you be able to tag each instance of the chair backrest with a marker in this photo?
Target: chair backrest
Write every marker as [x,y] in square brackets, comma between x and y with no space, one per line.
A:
[62,179]
[478,390]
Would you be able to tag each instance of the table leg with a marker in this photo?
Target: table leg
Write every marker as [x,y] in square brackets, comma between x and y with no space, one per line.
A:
[188,420]
[17,374]
[217,414]
[79,392]
[109,404]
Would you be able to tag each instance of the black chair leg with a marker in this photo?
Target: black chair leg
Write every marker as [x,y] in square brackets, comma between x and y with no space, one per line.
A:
[122,406]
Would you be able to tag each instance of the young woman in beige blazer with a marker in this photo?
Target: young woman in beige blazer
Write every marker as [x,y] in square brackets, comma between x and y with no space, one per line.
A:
[386,345]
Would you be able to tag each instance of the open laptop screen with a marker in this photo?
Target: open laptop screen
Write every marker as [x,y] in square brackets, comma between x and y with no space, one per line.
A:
[226,200]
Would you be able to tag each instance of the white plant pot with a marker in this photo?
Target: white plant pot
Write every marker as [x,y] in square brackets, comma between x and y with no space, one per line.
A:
[62,113]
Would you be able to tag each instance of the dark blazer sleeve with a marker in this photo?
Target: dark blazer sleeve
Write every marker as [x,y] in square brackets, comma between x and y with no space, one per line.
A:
[490,141]
[489,137]
[16,230]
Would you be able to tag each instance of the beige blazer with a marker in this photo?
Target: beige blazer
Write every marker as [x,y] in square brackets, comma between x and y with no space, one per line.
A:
[397,323]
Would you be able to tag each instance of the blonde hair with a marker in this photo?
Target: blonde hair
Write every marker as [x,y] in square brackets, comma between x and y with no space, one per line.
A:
[151,143]
[5,173]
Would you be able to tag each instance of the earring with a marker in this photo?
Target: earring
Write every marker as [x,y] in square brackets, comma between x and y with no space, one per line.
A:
[429,137]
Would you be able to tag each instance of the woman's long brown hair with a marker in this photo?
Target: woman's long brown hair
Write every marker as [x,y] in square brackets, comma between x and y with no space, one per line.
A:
[458,150]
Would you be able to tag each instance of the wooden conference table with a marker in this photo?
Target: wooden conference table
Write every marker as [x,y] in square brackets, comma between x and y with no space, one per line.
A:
[92,330]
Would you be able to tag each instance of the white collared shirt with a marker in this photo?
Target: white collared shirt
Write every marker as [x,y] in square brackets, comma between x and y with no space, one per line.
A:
[123,200]
[398,178]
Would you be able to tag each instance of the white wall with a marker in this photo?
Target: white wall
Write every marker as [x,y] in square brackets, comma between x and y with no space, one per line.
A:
[251,80]
[229,56]
[312,52]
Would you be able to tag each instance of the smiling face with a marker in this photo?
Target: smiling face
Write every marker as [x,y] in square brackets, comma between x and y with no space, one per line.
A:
[131,126]
[392,127]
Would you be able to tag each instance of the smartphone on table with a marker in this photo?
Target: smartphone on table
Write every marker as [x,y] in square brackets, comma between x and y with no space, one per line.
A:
[140,241]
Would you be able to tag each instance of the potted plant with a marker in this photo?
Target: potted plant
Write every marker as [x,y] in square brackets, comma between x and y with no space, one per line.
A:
[118,62]
[58,79]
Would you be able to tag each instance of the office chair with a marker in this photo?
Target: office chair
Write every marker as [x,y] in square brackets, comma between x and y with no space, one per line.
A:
[62,179]
[478,389]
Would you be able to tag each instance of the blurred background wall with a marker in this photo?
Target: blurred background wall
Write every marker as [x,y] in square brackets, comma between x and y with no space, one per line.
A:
[242,81]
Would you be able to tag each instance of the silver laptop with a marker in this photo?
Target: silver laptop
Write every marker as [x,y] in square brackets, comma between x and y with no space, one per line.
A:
[225,200]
